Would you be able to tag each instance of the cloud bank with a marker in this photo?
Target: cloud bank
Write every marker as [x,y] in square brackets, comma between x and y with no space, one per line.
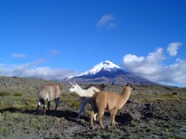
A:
[32,70]
[151,66]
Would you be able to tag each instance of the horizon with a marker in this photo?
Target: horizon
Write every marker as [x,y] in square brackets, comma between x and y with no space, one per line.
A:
[69,77]
[55,39]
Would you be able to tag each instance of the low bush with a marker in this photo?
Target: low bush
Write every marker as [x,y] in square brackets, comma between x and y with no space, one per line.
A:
[4,94]
[17,94]
[74,94]
[74,104]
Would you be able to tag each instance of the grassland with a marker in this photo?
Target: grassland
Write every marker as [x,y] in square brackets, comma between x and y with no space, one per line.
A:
[157,114]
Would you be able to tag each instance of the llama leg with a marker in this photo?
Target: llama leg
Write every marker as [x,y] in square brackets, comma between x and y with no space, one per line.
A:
[113,114]
[95,110]
[37,108]
[48,106]
[100,116]
[91,119]
[44,109]
[81,110]
[42,103]
[56,104]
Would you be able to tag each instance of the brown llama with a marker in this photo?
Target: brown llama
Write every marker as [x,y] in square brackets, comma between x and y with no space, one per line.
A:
[48,93]
[109,101]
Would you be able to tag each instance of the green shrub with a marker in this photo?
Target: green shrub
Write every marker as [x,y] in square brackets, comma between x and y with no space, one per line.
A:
[74,94]
[4,94]
[74,104]
[4,130]
[17,94]
[64,95]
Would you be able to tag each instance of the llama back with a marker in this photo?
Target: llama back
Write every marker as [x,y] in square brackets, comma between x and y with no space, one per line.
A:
[50,92]
[90,92]
[107,99]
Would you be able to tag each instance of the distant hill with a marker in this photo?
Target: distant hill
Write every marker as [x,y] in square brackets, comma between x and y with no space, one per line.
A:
[18,84]
[109,73]
[32,85]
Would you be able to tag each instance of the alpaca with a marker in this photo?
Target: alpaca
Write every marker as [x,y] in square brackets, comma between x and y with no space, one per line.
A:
[85,94]
[48,92]
[109,101]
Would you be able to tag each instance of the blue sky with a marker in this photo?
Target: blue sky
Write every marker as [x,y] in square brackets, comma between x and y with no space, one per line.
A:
[53,39]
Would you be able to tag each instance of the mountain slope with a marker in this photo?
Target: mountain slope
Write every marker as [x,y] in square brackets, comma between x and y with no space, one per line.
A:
[109,73]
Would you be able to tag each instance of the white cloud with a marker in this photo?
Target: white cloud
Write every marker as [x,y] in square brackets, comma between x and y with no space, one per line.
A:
[16,55]
[143,65]
[106,21]
[52,52]
[173,48]
[151,67]
[32,70]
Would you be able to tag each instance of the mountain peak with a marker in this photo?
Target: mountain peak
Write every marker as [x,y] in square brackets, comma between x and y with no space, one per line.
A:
[106,65]
[109,73]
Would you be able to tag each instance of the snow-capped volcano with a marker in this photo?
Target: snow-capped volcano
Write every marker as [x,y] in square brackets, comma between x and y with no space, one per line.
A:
[109,73]
[102,66]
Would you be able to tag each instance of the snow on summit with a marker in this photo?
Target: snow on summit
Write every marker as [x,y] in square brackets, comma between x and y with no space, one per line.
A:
[106,65]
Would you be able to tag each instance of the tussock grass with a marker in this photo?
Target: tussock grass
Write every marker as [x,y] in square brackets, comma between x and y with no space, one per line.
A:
[75,104]
[19,100]
[74,94]
[154,97]
[5,94]
[18,94]
[4,130]
[64,95]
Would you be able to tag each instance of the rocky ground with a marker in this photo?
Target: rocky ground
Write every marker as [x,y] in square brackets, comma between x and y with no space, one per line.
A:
[156,116]
[149,119]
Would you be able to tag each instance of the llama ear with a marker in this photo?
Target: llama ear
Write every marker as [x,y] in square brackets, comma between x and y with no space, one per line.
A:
[71,83]
[127,84]
[103,85]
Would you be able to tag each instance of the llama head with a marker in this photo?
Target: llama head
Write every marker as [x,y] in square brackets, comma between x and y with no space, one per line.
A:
[74,87]
[103,85]
[99,87]
[129,86]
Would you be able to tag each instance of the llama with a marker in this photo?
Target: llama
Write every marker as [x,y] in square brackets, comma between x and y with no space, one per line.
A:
[175,94]
[109,101]
[85,94]
[48,92]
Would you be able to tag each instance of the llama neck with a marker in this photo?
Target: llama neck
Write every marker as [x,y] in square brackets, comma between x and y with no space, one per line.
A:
[126,93]
[80,91]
